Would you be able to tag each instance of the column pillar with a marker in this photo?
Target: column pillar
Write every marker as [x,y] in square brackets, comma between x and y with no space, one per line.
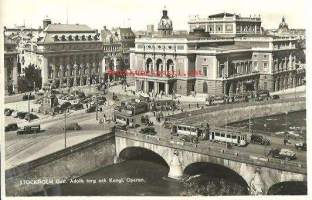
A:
[15,75]
[166,88]
[156,88]
[88,66]
[68,73]
[6,91]
[61,75]
[44,71]
[93,72]
[145,86]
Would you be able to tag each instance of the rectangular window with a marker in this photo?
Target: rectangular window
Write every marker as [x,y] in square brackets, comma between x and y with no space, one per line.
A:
[265,85]
[205,71]
[217,134]
[228,136]
[222,135]
[180,47]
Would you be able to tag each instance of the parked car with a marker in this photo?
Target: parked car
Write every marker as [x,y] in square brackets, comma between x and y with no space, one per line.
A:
[259,139]
[148,131]
[77,106]
[65,105]
[91,109]
[73,126]
[29,130]
[21,115]
[30,116]
[301,146]
[285,154]
[14,113]
[26,96]
[275,96]
[8,112]
[11,127]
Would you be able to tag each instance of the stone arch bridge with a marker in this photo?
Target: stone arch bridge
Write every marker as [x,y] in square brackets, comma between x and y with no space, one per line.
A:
[260,174]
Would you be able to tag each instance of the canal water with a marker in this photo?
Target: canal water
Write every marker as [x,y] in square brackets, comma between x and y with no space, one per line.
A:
[147,178]
[294,123]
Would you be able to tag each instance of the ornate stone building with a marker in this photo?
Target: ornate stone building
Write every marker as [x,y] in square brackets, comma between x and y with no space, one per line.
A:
[11,71]
[116,45]
[227,24]
[213,64]
[69,55]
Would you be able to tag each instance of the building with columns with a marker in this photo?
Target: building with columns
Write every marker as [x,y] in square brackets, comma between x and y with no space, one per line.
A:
[214,65]
[69,55]
[11,67]
[227,24]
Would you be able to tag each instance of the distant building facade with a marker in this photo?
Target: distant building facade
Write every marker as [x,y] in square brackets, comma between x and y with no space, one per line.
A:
[227,24]
[11,67]
[69,55]
[116,45]
[214,64]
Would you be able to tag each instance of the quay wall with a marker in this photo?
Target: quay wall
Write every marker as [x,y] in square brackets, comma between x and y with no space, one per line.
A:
[234,114]
[71,162]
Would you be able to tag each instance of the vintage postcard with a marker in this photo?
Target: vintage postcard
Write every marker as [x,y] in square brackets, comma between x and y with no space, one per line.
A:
[154,98]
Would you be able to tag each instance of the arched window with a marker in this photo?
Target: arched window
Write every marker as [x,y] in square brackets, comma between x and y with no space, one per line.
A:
[170,66]
[83,37]
[56,38]
[149,65]
[77,38]
[70,38]
[63,38]
[89,37]
[159,65]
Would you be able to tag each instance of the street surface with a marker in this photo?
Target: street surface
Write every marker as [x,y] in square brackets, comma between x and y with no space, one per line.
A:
[24,148]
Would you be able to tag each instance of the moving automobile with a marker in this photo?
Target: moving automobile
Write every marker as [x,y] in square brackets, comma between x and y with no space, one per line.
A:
[30,116]
[29,130]
[285,154]
[11,127]
[73,126]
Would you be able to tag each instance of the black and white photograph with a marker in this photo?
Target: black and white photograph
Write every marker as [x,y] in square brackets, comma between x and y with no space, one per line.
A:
[154,98]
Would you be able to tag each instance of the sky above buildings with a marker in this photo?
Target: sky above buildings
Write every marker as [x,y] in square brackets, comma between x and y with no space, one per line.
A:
[139,13]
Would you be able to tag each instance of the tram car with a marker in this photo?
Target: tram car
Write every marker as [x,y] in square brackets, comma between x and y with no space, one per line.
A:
[228,136]
[213,134]
[190,130]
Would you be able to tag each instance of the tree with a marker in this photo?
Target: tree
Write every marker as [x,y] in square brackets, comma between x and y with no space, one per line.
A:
[31,79]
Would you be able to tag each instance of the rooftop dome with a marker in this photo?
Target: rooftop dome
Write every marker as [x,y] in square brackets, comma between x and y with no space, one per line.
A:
[165,24]
[283,25]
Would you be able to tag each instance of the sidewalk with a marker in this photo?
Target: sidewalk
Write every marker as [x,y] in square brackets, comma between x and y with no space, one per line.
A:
[298,89]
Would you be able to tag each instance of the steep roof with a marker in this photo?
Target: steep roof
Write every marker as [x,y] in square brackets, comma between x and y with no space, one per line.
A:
[68,28]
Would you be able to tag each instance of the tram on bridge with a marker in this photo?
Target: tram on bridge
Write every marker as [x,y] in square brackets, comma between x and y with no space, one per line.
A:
[225,135]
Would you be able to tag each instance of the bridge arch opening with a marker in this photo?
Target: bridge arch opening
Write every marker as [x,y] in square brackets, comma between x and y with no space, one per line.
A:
[214,179]
[139,153]
[288,188]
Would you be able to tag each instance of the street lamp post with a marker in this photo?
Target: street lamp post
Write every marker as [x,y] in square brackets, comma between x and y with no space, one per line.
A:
[97,114]
[65,136]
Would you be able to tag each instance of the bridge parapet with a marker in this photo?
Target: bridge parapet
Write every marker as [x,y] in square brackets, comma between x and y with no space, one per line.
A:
[229,154]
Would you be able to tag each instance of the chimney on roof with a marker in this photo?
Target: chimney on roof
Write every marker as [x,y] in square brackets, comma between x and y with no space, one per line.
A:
[46,22]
